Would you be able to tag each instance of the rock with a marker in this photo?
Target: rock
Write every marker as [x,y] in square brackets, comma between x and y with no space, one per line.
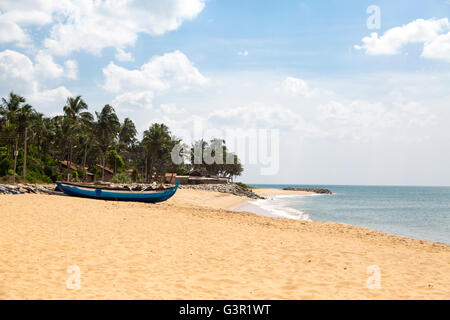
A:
[26,188]
[224,188]
[9,190]
[315,190]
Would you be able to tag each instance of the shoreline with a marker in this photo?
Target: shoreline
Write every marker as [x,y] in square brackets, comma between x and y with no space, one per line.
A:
[280,212]
[284,213]
[190,247]
[264,192]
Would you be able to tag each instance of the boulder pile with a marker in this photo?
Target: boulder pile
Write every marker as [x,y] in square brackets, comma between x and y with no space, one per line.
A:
[224,188]
[26,188]
[315,190]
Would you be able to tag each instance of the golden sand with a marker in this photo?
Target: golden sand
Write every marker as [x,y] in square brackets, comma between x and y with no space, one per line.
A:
[189,248]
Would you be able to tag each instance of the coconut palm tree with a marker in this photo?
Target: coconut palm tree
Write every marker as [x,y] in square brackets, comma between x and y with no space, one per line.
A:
[63,129]
[127,138]
[19,118]
[9,114]
[78,136]
[74,106]
[157,145]
[46,135]
[72,110]
[87,134]
[107,129]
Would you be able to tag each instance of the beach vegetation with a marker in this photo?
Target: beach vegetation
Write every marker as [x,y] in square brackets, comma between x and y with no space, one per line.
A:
[122,177]
[243,185]
[215,159]
[5,166]
[135,175]
[78,145]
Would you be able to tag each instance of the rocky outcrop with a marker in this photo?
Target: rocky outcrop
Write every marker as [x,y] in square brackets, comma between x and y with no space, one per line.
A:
[315,190]
[224,188]
[26,188]
[9,190]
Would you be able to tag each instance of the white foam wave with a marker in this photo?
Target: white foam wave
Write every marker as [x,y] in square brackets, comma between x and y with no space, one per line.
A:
[278,209]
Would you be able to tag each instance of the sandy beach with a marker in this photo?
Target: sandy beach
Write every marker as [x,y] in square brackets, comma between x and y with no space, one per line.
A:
[191,247]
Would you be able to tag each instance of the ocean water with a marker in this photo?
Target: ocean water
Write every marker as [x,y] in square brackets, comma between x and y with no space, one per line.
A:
[416,212]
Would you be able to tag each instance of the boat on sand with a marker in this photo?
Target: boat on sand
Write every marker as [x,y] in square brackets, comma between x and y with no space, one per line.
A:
[95,192]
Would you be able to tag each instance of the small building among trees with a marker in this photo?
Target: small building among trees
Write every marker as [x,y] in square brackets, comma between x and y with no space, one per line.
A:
[109,173]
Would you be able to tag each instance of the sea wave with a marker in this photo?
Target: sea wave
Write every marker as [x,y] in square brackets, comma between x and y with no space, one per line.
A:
[273,206]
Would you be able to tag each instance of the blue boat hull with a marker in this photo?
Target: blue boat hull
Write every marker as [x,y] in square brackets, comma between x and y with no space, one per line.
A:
[149,197]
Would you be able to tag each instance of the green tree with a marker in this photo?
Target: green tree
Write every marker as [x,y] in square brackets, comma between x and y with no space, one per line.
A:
[77,137]
[215,158]
[87,135]
[18,117]
[72,110]
[158,145]
[107,129]
[127,139]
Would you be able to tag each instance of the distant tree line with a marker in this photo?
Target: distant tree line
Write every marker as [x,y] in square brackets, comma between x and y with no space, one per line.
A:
[33,145]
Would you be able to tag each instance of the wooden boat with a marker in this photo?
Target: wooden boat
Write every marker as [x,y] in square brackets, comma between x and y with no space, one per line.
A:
[93,192]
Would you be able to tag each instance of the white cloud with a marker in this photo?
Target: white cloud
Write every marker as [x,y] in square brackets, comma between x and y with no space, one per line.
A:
[439,48]
[171,109]
[46,67]
[295,87]
[362,120]
[130,100]
[122,55]
[419,31]
[11,32]
[259,116]
[16,69]
[137,88]
[71,69]
[243,53]
[91,25]
[19,74]
[160,73]
[16,15]
[59,94]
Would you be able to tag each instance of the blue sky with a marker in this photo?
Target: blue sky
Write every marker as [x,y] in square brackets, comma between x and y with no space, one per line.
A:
[350,109]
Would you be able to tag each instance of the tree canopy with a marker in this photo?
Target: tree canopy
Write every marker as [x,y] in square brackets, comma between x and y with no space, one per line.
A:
[67,146]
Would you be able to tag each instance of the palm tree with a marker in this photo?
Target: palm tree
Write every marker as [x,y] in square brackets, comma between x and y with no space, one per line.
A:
[197,151]
[11,107]
[45,137]
[77,136]
[63,128]
[127,138]
[157,145]
[107,128]
[87,134]
[72,110]
[19,118]
[37,127]
[9,113]
[74,106]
